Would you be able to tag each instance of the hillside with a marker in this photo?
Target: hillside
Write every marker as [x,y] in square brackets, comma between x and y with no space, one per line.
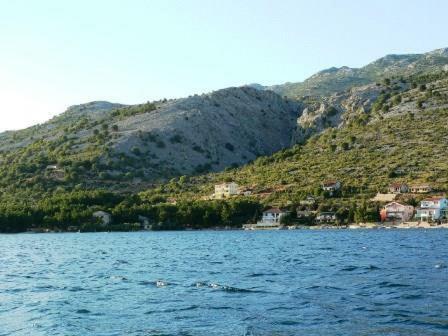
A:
[161,160]
[123,147]
[402,137]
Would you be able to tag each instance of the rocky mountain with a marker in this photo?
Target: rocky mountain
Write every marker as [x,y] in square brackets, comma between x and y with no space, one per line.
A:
[366,138]
[129,148]
[334,79]
[117,146]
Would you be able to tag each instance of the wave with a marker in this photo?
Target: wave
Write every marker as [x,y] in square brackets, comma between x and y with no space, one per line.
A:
[256,275]
[225,288]
[387,284]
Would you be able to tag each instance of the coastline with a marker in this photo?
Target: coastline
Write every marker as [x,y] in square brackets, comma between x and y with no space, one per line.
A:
[360,226]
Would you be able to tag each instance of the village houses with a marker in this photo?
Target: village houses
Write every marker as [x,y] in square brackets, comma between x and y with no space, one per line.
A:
[225,190]
[273,216]
[271,219]
[420,189]
[331,186]
[398,188]
[326,217]
[395,211]
[432,209]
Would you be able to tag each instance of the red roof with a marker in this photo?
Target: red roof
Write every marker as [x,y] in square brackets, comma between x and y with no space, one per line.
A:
[397,185]
[329,183]
[433,199]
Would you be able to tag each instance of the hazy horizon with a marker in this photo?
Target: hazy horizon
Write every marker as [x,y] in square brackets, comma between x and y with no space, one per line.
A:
[59,54]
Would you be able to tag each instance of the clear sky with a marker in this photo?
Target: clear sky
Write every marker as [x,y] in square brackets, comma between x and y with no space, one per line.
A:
[57,53]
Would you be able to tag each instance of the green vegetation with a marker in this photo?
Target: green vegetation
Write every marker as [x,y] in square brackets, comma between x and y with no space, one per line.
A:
[129,111]
[57,174]
[68,210]
[365,158]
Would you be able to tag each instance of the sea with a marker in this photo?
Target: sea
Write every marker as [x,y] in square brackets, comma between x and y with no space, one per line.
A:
[206,283]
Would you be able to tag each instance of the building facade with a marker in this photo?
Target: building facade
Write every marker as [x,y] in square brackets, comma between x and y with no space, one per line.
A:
[331,186]
[225,190]
[326,217]
[398,188]
[420,188]
[432,209]
[395,211]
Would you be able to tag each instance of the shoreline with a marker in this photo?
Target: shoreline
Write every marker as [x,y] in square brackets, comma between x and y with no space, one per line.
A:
[361,226]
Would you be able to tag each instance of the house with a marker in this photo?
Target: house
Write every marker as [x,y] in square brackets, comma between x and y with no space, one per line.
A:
[395,211]
[103,217]
[432,209]
[331,186]
[225,190]
[271,218]
[398,188]
[273,215]
[326,217]
[54,172]
[420,188]
[309,200]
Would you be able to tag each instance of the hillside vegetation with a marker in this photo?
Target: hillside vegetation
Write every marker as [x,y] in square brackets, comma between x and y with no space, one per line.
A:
[160,160]
[403,137]
[128,148]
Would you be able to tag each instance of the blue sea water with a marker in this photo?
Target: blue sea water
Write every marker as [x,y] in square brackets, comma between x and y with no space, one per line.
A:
[332,282]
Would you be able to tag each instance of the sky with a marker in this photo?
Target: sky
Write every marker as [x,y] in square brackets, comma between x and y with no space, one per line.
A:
[54,53]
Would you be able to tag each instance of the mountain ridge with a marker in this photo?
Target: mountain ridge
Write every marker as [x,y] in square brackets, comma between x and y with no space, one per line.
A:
[129,147]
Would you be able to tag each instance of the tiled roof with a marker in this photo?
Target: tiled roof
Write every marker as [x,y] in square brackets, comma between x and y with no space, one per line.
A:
[397,185]
[329,183]
[433,199]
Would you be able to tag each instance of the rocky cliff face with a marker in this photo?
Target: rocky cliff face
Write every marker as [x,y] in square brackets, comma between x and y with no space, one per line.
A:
[209,132]
[101,142]
[368,103]
[117,146]
[335,110]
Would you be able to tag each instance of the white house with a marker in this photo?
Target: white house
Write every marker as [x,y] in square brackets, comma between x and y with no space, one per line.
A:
[331,185]
[225,190]
[104,217]
[326,217]
[432,208]
[420,188]
[272,217]
[271,220]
